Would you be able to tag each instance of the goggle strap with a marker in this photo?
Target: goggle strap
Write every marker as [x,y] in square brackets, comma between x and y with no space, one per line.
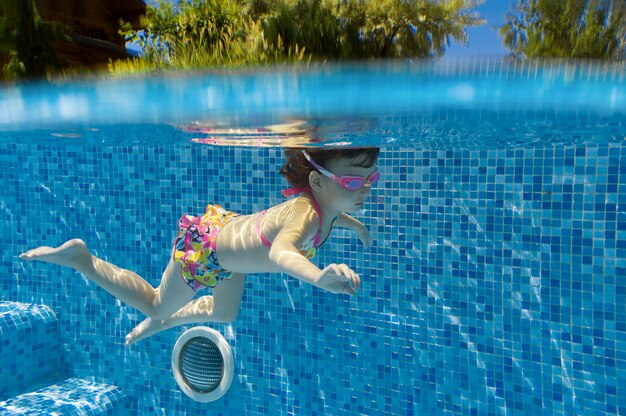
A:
[317,166]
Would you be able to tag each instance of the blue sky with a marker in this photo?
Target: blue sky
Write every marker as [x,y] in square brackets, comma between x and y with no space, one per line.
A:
[484,40]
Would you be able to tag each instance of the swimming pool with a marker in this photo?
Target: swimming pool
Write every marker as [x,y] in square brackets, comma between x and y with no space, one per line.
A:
[496,283]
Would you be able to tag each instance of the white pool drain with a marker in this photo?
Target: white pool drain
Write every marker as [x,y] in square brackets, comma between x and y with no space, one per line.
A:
[203,364]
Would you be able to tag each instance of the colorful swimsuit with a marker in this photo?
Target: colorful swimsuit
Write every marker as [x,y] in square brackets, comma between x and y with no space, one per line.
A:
[194,247]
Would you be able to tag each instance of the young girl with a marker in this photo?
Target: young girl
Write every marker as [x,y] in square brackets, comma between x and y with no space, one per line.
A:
[281,239]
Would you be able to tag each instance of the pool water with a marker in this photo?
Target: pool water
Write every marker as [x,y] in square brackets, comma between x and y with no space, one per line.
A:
[496,284]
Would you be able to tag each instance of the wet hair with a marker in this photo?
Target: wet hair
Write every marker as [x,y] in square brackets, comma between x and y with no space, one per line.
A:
[297,169]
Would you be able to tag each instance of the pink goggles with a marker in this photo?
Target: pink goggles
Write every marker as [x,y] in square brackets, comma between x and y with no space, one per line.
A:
[349,182]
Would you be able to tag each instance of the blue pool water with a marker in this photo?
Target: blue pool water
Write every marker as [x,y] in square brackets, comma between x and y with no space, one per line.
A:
[496,284]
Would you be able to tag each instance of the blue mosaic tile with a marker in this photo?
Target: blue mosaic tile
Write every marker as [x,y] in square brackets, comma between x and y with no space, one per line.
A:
[69,397]
[29,346]
[496,284]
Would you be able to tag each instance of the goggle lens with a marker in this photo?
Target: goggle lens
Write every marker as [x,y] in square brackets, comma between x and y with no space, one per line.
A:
[354,183]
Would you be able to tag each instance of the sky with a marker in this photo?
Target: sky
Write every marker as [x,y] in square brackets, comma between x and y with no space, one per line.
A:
[484,40]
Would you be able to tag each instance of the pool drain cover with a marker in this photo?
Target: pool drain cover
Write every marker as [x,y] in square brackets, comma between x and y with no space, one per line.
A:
[203,364]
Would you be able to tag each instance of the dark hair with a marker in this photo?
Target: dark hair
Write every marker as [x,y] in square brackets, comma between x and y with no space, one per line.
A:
[297,169]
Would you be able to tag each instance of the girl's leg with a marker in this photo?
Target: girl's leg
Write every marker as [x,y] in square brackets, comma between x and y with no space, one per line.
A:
[125,285]
[223,307]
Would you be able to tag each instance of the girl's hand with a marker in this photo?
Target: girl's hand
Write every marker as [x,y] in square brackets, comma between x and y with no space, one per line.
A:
[338,278]
[365,237]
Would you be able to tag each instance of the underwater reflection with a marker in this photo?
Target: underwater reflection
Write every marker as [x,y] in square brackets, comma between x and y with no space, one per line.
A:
[289,133]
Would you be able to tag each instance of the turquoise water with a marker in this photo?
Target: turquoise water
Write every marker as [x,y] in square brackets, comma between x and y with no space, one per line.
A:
[496,284]
[455,104]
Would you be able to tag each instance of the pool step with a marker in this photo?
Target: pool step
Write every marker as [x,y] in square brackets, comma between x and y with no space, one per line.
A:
[31,382]
[29,346]
[70,397]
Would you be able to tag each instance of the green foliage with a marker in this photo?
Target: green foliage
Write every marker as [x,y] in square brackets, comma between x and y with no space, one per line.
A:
[567,29]
[207,33]
[26,41]
[362,29]
[312,24]
[198,34]
[393,28]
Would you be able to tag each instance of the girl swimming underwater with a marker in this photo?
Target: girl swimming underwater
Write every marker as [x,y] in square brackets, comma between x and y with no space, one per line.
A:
[220,247]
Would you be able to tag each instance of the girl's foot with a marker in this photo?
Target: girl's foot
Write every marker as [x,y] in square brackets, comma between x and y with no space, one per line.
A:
[145,329]
[71,254]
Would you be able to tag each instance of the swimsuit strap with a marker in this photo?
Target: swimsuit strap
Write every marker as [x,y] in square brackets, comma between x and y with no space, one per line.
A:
[258,229]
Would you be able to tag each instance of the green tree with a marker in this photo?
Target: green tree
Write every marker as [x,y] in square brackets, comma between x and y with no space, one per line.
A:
[26,40]
[567,29]
[396,28]
[360,29]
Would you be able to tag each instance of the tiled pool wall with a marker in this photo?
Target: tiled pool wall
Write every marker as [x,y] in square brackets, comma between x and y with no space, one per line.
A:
[496,284]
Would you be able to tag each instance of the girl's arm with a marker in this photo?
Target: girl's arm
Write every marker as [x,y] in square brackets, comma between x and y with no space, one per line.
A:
[346,221]
[284,251]
[336,278]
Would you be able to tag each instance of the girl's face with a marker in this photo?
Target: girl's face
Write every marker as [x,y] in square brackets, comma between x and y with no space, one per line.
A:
[343,199]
